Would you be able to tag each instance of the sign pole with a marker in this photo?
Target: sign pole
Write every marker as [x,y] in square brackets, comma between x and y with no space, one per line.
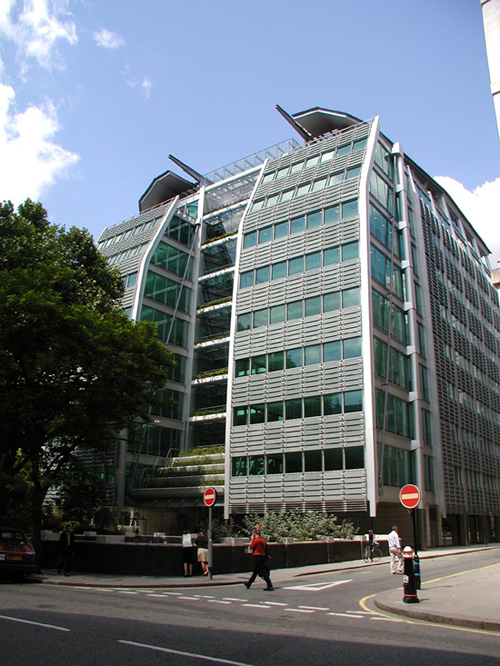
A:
[209,499]
[210,544]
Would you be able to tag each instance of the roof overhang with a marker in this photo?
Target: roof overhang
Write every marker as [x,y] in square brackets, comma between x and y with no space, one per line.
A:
[319,121]
[165,187]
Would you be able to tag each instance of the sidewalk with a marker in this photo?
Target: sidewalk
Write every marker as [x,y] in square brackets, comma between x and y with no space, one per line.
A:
[469,599]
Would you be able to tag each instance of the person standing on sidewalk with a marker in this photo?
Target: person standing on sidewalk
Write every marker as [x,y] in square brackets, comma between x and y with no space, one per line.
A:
[259,548]
[201,544]
[187,554]
[67,546]
[394,543]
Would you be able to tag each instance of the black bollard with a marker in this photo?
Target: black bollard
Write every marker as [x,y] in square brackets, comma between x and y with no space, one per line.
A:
[416,572]
[410,591]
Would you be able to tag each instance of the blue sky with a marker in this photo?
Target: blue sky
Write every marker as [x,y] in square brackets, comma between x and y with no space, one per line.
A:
[94,95]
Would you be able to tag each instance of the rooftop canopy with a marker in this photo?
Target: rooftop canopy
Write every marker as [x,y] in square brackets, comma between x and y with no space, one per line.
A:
[165,187]
[317,121]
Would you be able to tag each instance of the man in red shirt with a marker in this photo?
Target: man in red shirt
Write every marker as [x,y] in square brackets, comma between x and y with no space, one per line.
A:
[259,548]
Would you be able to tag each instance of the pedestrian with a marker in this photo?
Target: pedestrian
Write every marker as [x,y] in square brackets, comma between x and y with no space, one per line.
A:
[202,552]
[67,546]
[259,549]
[394,543]
[187,553]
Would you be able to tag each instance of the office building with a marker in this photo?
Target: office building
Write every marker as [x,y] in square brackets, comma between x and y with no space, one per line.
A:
[335,327]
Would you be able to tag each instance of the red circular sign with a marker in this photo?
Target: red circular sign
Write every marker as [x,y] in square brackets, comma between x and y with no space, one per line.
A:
[409,496]
[210,496]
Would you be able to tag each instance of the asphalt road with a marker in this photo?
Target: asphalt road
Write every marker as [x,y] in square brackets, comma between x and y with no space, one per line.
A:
[320,619]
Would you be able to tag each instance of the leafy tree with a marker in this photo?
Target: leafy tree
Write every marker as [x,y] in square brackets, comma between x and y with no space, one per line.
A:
[74,370]
[303,526]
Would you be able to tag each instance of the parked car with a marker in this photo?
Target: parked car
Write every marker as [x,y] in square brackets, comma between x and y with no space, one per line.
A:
[17,555]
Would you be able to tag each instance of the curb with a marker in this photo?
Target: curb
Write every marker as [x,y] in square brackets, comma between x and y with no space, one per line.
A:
[426,616]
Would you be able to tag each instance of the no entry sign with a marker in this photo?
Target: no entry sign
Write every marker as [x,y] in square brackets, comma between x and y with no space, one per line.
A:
[409,496]
[210,496]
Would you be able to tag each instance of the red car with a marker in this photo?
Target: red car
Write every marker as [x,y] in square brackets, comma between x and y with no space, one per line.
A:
[17,555]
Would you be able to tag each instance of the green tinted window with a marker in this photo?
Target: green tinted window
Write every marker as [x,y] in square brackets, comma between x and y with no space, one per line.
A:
[240,416]
[242,367]
[277,314]
[279,270]
[296,266]
[281,230]
[298,224]
[244,322]
[293,462]
[352,348]
[295,310]
[275,463]
[313,261]
[257,413]
[349,208]
[353,401]
[239,466]
[312,406]
[258,364]
[314,220]
[312,461]
[294,358]
[332,351]
[312,355]
[265,235]
[351,297]
[350,251]
[332,404]
[250,239]
[354,457]
[256,465]
[332,214]
[293,409]
[246,279]
[260,318]
[333,459]
[313,306]
[276,361]
[331,302]
[275,411]
[262,275]
[331,256]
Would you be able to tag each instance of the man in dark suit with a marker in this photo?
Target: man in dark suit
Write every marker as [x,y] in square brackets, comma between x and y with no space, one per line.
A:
[67,545]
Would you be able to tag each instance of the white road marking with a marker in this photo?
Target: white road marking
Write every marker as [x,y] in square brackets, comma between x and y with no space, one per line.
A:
[385,619]
[298,610]
[189,598]
[361,612]
[127,592]
[317,587]
[314,608]
[186,654]
[233,599]
[274,603]
[216,601]
[255,606]
[204,596]
[160,596]
[174,594]
[36,624]
[357,617]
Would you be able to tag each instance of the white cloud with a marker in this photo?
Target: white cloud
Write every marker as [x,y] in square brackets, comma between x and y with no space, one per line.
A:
[146,87]
[37,28]
[482,209]
[30,160]
[108,40]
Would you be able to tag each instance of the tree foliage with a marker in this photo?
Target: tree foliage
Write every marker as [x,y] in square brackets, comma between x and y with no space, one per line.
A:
[306,526]
[74,370]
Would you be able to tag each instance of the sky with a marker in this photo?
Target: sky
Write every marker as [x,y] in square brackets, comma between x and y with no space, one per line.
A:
[95,95]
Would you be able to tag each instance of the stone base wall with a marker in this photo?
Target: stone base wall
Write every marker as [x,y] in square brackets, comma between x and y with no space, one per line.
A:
[158,559]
